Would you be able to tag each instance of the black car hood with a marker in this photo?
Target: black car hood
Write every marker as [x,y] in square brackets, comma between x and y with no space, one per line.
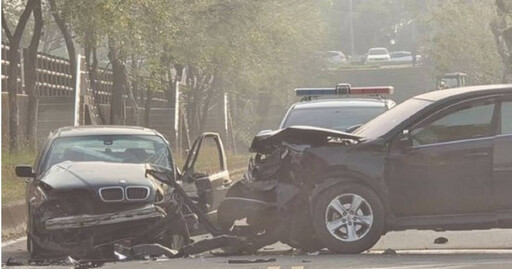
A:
[94,175]
[314,136]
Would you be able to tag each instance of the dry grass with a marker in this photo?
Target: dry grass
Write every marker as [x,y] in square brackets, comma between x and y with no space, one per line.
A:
[13,187]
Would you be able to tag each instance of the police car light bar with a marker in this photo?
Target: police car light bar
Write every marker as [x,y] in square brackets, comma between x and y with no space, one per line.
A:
[373,90]
[344,89]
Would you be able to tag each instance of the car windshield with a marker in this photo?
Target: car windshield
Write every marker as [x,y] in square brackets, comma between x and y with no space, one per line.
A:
[377,51]
[337,118]
[385,122]
[110,148]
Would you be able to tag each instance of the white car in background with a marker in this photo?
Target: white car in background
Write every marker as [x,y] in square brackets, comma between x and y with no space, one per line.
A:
[377,55]
[403,57]
[335,58]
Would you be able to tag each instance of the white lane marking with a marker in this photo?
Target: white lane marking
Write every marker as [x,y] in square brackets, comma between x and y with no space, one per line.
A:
[448,251]
[439,266]
[12,242]
[274,267]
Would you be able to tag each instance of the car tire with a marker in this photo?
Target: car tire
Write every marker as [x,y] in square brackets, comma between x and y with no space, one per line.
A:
[34,250]
[348,218]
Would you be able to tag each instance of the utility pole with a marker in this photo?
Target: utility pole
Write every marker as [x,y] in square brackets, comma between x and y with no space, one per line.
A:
[414,52]
[351,14]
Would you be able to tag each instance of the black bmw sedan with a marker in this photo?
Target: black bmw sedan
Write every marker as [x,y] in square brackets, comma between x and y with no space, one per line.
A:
[89,189]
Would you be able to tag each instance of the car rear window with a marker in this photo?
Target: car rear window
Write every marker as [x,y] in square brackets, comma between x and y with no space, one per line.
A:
[378,51]
[337,118]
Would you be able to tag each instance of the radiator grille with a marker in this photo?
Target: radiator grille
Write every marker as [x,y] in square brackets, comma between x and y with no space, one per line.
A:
[137,193]
[112,194]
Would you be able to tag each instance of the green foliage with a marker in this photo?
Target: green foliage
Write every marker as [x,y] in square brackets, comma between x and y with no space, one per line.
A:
[458,38]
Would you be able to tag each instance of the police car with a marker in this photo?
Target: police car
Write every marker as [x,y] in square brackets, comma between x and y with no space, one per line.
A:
[338,108]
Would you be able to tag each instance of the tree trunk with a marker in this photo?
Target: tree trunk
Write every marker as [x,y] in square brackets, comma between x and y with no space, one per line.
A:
[91,59]
[503,37]
[118,87]
[131,99]
[147,108]
[66,33]
[12,80]
[30,74]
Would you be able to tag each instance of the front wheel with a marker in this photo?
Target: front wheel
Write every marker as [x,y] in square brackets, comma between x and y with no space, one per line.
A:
[348,218]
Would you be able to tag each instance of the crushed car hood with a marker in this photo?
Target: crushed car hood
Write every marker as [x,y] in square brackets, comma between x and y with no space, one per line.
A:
[93,175]
[266,143]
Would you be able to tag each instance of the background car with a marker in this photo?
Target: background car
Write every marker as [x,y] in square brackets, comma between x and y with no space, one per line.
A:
[335,58]
[403,57]
[377,55]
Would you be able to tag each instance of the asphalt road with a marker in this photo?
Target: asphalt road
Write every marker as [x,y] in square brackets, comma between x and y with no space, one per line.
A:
[414,249]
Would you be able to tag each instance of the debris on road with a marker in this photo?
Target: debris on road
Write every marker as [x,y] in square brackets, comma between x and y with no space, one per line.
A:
[251,261]
[441,240]
[12,262]
[144,252]
[389,251]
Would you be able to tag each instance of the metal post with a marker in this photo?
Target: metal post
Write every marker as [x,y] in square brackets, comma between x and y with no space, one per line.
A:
[226,113]
[76,119]
[351,13]
[177,113]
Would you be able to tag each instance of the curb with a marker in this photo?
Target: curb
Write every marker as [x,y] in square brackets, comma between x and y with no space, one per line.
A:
[14,218]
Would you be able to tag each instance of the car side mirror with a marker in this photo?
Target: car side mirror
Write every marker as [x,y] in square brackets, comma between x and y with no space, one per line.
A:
[405,140]
[24,171]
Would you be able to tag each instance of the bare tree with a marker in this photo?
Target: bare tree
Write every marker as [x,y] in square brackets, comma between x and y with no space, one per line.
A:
[502,31]
[12,80]
[66,32]
[119,83]
[30,72]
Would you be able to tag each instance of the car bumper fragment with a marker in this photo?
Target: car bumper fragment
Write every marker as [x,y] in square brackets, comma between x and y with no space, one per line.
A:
[81,221]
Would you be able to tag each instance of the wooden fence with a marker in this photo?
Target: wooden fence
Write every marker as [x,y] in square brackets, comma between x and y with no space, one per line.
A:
[55,88]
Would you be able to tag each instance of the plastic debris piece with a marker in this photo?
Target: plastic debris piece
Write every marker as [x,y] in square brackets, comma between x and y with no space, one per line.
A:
[441,240]
[251,261]
[389,251]
[12,262]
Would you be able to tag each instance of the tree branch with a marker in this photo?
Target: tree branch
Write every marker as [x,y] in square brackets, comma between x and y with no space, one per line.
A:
[23,19]
[6,27]
[38,26]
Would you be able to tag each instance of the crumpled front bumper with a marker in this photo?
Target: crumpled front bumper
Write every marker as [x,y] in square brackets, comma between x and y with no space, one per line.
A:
[83,221]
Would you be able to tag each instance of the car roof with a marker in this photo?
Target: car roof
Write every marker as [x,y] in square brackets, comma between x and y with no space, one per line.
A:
[378,49]
[348,102]
[465,92]
[402,51]
[87,130]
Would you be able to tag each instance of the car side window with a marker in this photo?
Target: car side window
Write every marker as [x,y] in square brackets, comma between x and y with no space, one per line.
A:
[465,122]
[506,117]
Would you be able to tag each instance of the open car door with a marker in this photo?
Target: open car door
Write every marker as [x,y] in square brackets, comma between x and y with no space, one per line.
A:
[205,175]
